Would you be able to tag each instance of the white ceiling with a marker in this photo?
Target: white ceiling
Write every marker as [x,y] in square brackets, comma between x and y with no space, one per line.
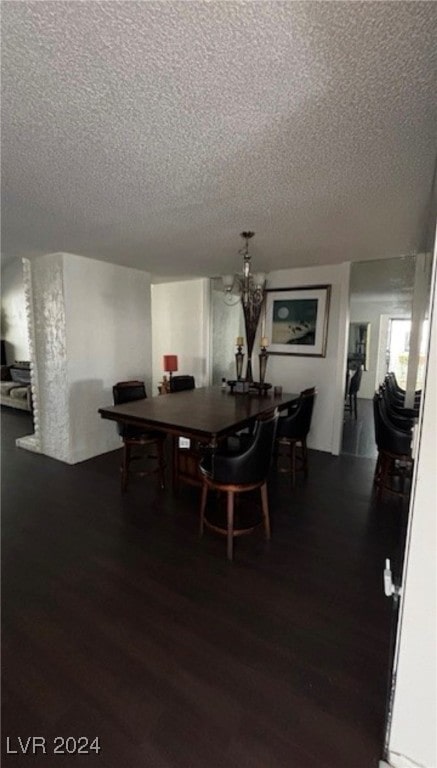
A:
[151,133]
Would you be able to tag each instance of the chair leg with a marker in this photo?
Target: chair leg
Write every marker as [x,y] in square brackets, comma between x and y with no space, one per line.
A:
[383,477]
[230,512]
[376,476]
[202,508]
[161,461]
[293,462]
[304,457]
[355,407]
[265,510]
[125,467]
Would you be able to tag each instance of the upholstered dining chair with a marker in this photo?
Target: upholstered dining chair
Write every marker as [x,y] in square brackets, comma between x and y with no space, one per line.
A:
[401,418]
[395,462]
[352,392]
[181,383]
[392,381]
[235,473]
[293,430]
[397,399]
[136,437]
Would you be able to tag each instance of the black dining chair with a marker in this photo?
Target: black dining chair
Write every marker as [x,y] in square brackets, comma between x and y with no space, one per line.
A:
[352,391]
[393,383]
[136,437]
[397,399]
[293,430]
[401,418]
[182,383]
[395,462]
[235,473]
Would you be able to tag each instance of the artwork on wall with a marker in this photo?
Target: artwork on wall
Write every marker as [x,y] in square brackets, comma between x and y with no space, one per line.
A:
[296,320]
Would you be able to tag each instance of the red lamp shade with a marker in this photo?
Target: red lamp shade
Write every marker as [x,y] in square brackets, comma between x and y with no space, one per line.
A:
[170,363]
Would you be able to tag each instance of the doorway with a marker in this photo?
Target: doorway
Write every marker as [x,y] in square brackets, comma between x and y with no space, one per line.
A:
[397,350]
[379,291]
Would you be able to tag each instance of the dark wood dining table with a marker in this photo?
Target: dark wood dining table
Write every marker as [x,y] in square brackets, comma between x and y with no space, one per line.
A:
[203,416]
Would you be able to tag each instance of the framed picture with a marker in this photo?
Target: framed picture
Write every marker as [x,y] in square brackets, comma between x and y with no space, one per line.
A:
[296,320]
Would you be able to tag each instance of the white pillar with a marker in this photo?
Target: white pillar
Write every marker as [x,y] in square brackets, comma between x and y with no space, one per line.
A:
[90,326]
[418,312]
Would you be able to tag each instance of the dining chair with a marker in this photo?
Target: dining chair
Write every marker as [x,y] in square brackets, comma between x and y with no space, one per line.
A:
[393,382]
[397,399]
[137,437]
[401,418]
[293,431]
[181,383]
[394,464]
[237,473]
[352,391]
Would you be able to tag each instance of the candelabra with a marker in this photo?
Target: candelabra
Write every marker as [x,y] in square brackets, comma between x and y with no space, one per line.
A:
[239,357]
[263,355]
[249,288]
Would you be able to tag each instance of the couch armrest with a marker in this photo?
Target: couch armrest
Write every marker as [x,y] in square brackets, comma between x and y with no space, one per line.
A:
[5,373]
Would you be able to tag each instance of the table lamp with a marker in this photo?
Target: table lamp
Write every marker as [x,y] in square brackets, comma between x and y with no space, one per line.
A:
[170,364]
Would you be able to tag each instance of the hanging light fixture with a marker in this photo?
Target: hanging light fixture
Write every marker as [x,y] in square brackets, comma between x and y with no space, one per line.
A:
[249,289]
[245,286]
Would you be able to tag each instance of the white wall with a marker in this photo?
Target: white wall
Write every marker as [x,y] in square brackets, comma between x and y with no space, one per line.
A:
[180,326]
[108,337]
[365,310]
[413,729]
[90,328]
[14,320]
[326,373]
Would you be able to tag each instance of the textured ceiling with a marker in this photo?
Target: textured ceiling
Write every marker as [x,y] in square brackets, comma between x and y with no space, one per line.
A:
[151,133]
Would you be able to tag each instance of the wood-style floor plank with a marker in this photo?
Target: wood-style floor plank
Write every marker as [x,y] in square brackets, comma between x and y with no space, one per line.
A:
[119,623]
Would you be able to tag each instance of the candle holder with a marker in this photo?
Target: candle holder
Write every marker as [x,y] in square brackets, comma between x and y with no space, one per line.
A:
[239,357]
[263,355]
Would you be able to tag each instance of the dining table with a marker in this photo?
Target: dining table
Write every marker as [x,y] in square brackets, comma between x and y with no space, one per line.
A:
[196,419]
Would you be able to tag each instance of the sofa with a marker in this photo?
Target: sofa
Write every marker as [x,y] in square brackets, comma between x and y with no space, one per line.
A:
[15,390]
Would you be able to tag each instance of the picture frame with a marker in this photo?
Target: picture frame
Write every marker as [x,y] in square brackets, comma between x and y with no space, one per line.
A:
[296,320]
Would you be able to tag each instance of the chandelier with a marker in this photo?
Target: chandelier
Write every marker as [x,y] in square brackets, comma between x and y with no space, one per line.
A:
[245,286]
[249,289]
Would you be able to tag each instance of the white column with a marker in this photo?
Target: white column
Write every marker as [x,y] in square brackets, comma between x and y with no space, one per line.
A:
[418,312]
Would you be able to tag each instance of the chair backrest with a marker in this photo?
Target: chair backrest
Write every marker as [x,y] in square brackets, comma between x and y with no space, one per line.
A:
[394,414]
[392,380]
[388,438]
[298,423]
[376,419]
[397,402]
[253,464]
[181,383]
[355,382]
[128,391]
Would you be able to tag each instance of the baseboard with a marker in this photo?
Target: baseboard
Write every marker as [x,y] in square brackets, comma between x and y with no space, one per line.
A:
[29,443]
[400,761]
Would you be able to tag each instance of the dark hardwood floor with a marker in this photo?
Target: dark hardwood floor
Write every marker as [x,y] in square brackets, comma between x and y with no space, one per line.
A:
[359,433]
[119,623]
